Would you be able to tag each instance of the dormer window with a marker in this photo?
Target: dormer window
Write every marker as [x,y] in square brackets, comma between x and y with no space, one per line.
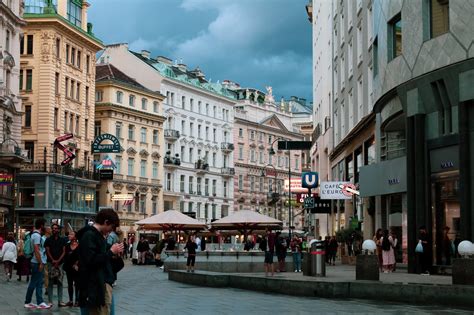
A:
[74,12]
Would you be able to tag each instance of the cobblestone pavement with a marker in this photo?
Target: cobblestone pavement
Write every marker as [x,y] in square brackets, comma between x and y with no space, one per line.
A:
[146,290]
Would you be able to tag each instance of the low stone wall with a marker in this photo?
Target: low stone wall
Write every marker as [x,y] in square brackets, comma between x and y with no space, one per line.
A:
[228,262]
[450,295]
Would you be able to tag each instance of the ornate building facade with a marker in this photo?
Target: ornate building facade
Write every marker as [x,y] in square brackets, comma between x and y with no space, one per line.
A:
[57,84]
[11,155]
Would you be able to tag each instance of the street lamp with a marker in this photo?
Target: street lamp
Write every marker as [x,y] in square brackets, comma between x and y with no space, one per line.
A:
[272,152]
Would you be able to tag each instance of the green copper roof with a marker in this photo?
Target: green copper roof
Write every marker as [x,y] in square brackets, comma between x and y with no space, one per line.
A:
[173,73]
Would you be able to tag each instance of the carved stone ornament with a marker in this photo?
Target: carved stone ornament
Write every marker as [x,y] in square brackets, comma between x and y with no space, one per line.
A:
[143,189]
[155,156]
[131,187]
[155,190]
[144,153]
[131,151]
[118,186]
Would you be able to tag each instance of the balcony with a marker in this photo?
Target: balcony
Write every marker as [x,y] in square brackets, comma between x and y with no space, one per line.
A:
[68,170]
[9,150]
[171,162]
[201,167]
[227,147]
[171,134]
[228,171]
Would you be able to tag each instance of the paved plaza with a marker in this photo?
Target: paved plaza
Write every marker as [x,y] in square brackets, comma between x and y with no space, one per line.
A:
[146,290]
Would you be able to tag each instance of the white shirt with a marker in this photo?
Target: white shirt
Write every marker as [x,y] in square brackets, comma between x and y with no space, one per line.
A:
[9,252]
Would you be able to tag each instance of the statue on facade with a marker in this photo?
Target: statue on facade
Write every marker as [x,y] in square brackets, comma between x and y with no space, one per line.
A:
[269,97]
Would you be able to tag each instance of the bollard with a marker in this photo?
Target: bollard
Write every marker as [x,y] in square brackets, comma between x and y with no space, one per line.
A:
[318,257]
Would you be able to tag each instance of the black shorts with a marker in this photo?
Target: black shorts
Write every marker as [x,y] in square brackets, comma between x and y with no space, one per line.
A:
[268,257]
[191,260]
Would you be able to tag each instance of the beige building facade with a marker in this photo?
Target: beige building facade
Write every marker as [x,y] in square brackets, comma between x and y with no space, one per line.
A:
[57,84]
[133,114]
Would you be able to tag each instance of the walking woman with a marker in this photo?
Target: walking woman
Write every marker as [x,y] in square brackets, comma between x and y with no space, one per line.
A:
[191,246]
[71,267]
[388,254]
[378,242]
[23,262]
[9,255]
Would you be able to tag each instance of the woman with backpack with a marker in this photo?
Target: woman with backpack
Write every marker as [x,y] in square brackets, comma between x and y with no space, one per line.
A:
[388,254]
[23,262]
[9,255]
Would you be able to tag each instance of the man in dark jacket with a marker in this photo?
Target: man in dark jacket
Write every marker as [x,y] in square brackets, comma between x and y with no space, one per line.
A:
[95,270]
[267,244]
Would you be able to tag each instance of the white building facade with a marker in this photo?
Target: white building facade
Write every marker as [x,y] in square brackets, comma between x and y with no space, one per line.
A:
[198,161]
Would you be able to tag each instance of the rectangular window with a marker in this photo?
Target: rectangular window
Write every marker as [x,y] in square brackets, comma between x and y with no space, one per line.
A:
[131,163]
[78,63]
[67,53]
[55,122]
[71,123]
[214,135]
[199,180]
[395,37]
[262,181]
[375,57]
[191,184]
[143,168]
[168,182]
[207,109]
[206,187]
[71,90]
[144,103]
[58,48]
[29,79]
[118,164]
[439,17]
[155,136]
[88,63]
[155,107]
[74,13]
[154,206]
[21,80]
[155,170]
[131,100]
[99,95]
[78,119]
[22,46]
[214,187]
[86,127]
[225,189]
[214,111]
[118,130]
[131,132]
[87,96]
[182,153]
[207,133]
[181,183]
[7,41]
[119,95]
[73,55]
[30,148]
[199,107]
[191,105]
[56,83]
[28,116]
[241,133]
[142,203]
[183,102]
[191,129]
[241,152]
[143,135]
[252,183]
[241,182]
[214,158]
[191,157]
[78,91]
[190,207]
[29,44]
[261,157]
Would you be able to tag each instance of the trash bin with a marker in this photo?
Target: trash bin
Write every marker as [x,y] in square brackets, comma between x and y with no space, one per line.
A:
[318,257]
[306,264]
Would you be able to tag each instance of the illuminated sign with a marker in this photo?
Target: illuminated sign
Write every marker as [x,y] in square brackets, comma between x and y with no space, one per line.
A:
[69,155]
[6,179]
[118,197]
[295,186]
[98,147]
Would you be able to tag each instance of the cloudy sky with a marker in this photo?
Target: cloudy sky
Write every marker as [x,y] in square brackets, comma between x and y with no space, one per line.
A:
[255,43]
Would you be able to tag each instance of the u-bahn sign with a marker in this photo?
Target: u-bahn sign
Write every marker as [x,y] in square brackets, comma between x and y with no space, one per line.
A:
[98,147]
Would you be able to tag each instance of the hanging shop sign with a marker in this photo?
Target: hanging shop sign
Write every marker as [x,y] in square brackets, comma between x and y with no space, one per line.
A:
[106,174]
[320,206]
[337,190]
[106,163]
[69,155]
[6,179]
[98,147]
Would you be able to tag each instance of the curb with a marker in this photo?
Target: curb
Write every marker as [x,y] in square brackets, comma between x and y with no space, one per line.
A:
[437,294]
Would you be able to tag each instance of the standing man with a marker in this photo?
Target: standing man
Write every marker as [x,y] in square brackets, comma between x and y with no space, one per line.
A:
[267,244]
[95,270]
[55,251]
[37,266]
[281,252]
[142,248]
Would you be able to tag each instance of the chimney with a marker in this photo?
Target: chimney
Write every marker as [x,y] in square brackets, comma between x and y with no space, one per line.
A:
[145,54]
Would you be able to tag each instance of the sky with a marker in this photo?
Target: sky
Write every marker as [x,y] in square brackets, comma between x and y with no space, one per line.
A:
[256,43]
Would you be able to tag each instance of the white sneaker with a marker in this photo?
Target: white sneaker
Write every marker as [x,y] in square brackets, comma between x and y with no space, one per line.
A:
[31,306]
[44,306]
[296,270]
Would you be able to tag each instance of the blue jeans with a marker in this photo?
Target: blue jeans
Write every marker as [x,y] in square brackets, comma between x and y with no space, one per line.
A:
[36,283]
[297,261]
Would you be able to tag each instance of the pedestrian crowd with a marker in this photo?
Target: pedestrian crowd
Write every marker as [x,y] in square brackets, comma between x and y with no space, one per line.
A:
[89,259]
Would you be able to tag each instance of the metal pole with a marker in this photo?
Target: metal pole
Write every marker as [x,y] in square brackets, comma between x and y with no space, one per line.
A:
[62,194]
[275,191]
[289,195]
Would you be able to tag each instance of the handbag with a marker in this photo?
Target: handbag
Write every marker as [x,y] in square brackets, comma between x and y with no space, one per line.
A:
[117,264]
[419,248]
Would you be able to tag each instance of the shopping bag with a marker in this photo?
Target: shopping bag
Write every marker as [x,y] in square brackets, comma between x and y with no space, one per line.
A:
[419,248]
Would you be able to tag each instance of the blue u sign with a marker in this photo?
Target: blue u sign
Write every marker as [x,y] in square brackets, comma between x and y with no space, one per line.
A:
[309,180]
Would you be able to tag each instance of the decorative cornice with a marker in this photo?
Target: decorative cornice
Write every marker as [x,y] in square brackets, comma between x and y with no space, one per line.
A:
[155,155]
[131,187]
[131,151]
[144,153]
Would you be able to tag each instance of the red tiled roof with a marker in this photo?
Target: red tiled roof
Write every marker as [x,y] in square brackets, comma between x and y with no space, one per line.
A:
[106,72]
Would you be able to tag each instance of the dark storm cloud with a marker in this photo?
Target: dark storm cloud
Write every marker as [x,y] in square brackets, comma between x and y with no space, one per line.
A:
[256,43]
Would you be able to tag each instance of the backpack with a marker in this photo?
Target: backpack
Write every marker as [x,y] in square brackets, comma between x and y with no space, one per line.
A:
[28,247]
